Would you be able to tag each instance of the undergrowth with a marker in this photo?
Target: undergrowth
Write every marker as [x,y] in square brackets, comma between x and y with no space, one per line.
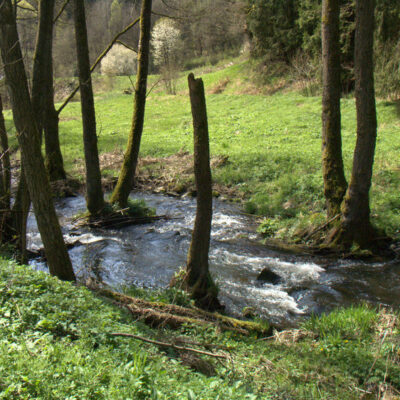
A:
[56,343]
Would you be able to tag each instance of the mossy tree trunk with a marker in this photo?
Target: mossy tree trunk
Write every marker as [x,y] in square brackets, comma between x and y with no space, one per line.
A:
[127,174]
[198,278]
[94,193]
[43,91]
[335,184]
[29,142]
[355,222]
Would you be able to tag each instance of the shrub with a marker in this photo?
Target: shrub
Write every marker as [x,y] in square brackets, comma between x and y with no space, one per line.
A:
[119,61]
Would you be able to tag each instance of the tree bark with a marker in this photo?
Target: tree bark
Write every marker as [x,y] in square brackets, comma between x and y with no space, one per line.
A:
[54,159]
[13,221]
[43,91]
[127,174]
[94,193]
[198,278]
[29,141]
[19,217]
[5,163]
[355,222]
[335,184]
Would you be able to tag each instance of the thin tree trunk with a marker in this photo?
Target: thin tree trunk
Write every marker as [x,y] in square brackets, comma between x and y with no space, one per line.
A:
[43,92]
[13,221]
[4,162]
[19,217]
[335,184]
[128,169]
[42,60]
[54,159]
[94,192]
[29,141]
[355,222]
[198,278]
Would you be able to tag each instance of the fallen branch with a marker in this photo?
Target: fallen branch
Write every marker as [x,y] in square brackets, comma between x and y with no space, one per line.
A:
[115,220]
[158,314]
[171,345]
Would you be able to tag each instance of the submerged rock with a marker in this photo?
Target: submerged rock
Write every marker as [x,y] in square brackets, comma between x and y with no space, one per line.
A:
[269,276]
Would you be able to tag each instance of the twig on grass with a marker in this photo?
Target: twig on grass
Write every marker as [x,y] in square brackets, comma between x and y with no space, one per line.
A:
[170,345]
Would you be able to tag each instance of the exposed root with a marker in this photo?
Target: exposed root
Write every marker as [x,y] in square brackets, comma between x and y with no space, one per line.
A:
[364,241]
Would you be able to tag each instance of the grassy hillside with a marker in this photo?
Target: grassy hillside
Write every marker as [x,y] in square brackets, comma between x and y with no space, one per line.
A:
[272,142]
[55,343]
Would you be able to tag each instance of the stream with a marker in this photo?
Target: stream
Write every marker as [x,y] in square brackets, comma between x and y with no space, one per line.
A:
[148,255]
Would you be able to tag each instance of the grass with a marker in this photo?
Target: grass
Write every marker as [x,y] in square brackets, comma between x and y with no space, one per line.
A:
[273,143]
[55,343]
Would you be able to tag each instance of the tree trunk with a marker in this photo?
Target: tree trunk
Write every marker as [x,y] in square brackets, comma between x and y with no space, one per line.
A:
[332,163]
[19,217]
[43,92]
[198,278]
[5,163]
[128,169]
[355,223]
[94,192]
[54,160]
[13,221]
[29,141]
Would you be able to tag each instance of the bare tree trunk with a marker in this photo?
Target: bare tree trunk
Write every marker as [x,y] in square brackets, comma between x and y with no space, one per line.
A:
[198,278]
[19,217]
[13,221]
[29,141]
[128,169]
[43,91]
[355,224]
[5,163]
[54,159]
[335,184]
[94,192]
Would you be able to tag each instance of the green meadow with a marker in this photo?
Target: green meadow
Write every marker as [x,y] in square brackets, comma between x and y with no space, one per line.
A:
[56,343]
[272,142]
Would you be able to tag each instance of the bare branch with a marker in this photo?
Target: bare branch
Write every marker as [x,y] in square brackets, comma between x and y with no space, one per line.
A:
[167,16]
[170,345]
[153,86]
[32,10]
[61,11]
[97,62]
[127,46]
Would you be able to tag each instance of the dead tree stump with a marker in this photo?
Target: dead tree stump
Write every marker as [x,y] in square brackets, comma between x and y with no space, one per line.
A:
[198,279]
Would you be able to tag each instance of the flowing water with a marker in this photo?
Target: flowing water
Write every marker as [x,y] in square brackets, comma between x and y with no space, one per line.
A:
[148,256]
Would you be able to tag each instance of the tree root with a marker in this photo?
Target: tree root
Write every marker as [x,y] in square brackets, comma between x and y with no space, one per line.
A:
[364,242]
[157,314]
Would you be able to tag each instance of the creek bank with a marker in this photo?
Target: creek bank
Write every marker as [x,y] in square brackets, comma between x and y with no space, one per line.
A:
[148,256]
